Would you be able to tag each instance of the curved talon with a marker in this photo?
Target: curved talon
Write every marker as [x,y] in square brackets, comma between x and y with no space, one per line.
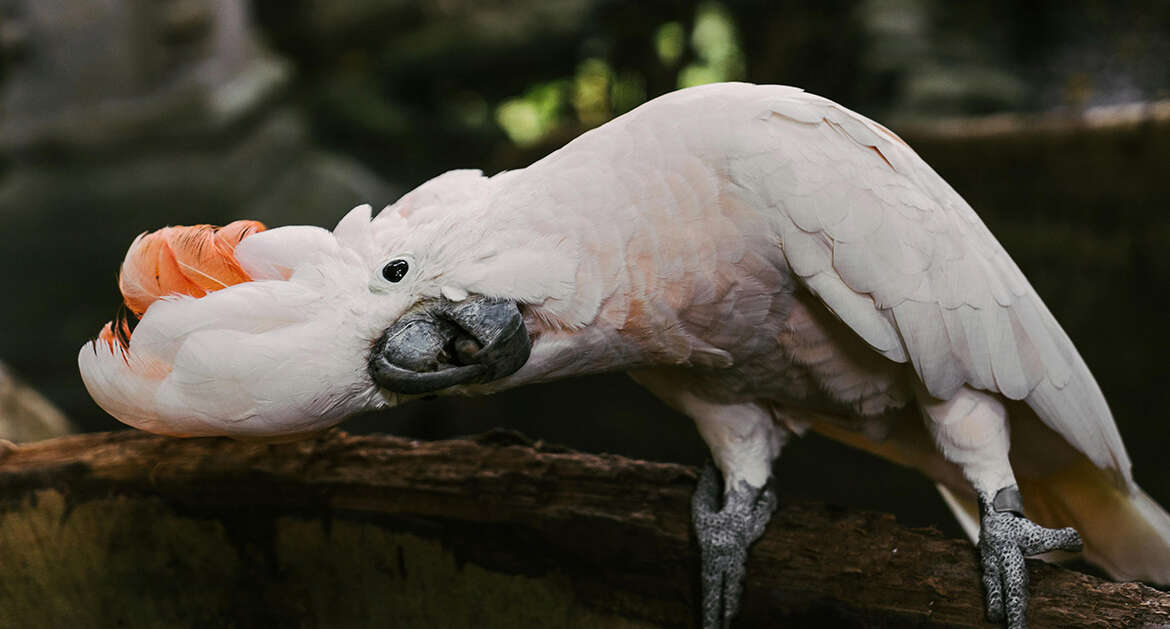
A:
[725,534]
[1005,539]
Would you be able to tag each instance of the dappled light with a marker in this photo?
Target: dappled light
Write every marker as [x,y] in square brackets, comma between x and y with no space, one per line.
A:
[597,93]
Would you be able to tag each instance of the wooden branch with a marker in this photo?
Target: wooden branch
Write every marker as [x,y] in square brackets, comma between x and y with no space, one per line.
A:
[127,529]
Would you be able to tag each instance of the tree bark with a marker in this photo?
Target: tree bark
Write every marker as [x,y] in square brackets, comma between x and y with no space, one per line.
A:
[132,530]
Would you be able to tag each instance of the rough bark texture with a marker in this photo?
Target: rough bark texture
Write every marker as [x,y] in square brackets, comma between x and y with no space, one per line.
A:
[132,530]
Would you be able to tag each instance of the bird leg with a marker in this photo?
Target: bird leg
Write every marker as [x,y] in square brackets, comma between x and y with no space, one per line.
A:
[727,522]
[734,498]
[1005,538]
[971,430]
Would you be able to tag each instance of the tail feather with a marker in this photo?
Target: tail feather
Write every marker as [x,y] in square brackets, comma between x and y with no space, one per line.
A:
[965,510]
[1126,533]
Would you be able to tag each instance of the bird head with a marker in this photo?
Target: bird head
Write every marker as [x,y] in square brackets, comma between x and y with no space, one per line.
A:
[435,295]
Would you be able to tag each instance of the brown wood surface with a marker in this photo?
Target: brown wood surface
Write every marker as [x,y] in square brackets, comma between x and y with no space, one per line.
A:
[129,529]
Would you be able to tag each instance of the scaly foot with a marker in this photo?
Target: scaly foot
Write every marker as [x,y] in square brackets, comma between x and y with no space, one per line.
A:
[1005,539]
[724,536]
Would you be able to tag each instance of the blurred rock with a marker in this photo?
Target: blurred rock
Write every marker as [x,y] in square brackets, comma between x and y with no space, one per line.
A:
[151,71]
[26,415]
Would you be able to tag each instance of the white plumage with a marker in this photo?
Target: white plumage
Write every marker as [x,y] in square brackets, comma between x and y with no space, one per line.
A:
[761,258]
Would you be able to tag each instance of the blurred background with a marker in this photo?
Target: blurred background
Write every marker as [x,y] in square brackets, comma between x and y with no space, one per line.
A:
[118,116]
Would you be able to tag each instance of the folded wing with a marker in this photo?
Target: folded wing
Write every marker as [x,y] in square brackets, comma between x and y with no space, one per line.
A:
[898,255]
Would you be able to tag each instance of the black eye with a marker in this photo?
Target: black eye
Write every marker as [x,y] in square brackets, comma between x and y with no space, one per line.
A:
[395,270]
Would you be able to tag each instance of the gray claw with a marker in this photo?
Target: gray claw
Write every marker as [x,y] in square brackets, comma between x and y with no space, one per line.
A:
[1005,539]
[724,535]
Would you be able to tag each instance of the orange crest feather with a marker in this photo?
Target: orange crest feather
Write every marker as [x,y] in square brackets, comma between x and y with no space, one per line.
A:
[181,260]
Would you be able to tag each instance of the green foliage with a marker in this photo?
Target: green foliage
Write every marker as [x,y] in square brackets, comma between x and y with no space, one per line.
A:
[591,96]
[669,42]
[530,117]
[597,92]
[716,45]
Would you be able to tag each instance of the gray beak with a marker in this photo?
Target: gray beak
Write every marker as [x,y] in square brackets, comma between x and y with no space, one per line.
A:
[443,343]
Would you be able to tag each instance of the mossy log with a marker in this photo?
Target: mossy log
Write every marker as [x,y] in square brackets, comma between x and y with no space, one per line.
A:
[132,530]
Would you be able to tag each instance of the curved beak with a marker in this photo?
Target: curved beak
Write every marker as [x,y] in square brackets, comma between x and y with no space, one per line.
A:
[442,343]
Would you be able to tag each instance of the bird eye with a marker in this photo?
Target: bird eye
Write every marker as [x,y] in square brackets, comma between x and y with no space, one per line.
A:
[395,270]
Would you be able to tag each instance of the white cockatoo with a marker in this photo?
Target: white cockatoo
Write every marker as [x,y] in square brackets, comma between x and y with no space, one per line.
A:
[762,259]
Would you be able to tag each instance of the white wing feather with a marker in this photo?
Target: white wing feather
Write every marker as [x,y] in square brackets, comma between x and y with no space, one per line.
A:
[898,255]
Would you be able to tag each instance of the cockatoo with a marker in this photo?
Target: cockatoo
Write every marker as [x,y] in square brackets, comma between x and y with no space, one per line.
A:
[764,260]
